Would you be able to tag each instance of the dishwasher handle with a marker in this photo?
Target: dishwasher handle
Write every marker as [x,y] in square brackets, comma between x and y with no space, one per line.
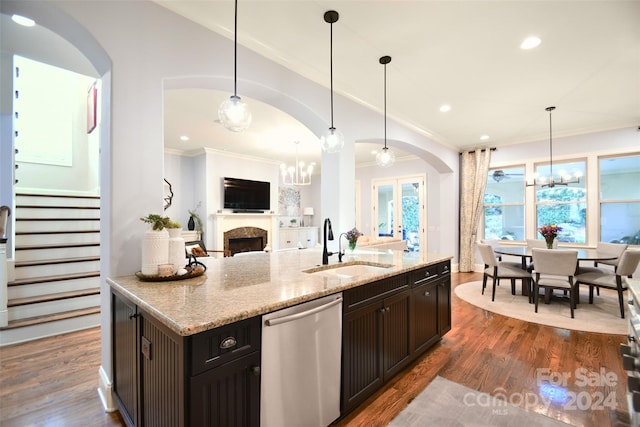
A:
[296,316]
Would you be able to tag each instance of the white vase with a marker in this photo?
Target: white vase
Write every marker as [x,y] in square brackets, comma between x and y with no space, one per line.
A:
[176,249]
[155,251]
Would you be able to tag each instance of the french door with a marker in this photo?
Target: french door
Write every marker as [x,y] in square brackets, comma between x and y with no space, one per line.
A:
[399,209]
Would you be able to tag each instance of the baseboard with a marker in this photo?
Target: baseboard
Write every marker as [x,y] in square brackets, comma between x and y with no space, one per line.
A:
[105,391]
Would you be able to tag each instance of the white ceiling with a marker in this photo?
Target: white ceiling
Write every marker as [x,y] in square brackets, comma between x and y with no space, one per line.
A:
[462,53]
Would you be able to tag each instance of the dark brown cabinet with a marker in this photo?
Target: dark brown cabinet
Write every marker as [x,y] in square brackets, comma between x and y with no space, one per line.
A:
[389,323]
[163,379]
[375,340]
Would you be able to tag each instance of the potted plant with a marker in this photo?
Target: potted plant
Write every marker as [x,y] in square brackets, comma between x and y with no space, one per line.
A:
[352,237]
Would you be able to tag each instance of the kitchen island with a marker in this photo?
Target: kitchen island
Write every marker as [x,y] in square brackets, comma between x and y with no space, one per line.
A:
[175,343]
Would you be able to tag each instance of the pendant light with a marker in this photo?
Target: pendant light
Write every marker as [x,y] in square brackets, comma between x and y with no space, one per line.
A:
[233,113]
[333,140]
[385,158]
[551,181]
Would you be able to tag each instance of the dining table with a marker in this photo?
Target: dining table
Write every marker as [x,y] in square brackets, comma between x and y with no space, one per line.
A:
[524,252]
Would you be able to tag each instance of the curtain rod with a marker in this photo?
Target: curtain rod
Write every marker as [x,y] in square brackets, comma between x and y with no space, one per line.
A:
[483,150]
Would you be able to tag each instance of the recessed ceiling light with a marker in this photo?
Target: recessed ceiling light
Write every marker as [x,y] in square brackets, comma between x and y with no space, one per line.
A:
[184,138]
[445,107]
[484,137]
[23,20]
[374,152]
[530,43]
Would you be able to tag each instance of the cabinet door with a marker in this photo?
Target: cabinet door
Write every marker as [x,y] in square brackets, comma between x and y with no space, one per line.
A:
[444,305]
[228,395]
[361,354]
[161,375]
[124,355]
[309,237]
[288,238]
[424,312]
[396,350]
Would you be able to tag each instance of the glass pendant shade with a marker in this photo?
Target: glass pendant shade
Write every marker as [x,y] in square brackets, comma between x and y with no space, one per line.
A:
[385,158]
[234,114]
[332,141]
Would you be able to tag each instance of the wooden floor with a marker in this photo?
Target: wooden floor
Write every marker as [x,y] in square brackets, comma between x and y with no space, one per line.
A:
[53,381]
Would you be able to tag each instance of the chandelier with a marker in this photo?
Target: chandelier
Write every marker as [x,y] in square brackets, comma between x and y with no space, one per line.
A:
[564,178]
[385,158]
[298,174]
[234,114]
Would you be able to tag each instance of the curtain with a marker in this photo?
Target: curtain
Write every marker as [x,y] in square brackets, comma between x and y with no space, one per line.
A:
[474,168]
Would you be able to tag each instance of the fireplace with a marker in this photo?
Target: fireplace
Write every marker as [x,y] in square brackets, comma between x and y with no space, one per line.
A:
[245,239]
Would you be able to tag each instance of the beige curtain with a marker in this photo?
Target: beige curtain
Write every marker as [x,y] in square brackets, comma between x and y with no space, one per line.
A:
[474,168]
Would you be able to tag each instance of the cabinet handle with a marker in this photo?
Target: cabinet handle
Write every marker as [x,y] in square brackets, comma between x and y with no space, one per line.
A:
[427,293]
[228,343]
[255,370]
[133,316]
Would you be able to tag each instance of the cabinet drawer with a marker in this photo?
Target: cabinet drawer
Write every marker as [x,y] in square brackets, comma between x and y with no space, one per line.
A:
[365,294]
[430,273]
[218,346]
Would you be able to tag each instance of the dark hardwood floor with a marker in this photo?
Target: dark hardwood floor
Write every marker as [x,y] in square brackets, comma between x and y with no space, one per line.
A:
[53,381]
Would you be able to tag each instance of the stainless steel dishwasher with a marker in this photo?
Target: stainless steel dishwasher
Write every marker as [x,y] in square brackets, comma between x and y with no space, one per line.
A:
[301,353]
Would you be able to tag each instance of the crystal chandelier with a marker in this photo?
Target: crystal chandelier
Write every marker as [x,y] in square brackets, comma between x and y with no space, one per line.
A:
[551,181]
[298,174]
[233,113]
[385,158]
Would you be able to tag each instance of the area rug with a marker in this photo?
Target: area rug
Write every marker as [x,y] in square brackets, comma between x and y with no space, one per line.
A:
[602,316]
[447,404]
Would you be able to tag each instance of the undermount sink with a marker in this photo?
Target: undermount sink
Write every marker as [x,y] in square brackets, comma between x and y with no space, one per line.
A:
[346,271]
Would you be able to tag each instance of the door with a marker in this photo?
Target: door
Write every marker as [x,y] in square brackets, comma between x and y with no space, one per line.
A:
[399,210]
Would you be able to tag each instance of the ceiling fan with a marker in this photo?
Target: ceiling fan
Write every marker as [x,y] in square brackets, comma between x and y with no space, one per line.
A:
[498,175]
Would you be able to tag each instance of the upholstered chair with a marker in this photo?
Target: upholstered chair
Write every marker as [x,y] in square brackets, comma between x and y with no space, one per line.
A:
[606,278]
[610,249]
[502,270]
[554,269]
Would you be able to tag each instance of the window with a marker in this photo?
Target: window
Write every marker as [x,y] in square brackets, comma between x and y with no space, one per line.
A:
[504,204]
[563,205]
[620,199]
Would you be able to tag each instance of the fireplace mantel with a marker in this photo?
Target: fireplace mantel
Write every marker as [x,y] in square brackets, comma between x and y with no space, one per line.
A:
[228,221]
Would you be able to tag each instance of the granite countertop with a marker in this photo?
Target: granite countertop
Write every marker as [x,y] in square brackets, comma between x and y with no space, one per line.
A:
[237,288]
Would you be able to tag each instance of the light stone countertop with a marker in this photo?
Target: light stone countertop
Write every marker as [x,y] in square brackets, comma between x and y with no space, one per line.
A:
[237,288]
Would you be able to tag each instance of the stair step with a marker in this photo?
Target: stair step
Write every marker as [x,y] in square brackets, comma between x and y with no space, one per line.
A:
[47,252]
[70,225]
[55,261]
[59,278]
[20,323]
[55,246]
[27,288]
[56,200]
[52,297]
[52,305]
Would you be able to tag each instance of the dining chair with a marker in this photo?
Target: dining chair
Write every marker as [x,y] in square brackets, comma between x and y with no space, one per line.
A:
[554,270]
[606,278]
[494,244]
[610,249]
[502,270]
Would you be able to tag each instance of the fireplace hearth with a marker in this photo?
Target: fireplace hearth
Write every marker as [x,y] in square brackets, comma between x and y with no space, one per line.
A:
[245,239]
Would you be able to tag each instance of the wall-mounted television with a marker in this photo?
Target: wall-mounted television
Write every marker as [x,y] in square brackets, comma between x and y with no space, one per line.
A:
[244,195]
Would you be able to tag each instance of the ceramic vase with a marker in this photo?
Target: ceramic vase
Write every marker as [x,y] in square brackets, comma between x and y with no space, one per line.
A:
[155,251]
[176,249]
[191,224]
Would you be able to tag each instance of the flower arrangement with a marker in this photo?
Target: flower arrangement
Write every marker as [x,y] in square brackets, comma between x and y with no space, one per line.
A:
[352,235]
[549,232]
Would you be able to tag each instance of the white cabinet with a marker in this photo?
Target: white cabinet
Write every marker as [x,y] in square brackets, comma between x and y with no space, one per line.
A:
[295,237]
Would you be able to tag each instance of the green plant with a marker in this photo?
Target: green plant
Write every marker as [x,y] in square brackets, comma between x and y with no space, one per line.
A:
[157,222]
[173,224]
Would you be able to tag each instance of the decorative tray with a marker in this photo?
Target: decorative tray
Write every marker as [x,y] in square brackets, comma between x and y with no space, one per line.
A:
[199,271]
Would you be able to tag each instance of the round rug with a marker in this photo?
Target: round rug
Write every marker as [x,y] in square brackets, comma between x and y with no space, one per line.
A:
[602,316]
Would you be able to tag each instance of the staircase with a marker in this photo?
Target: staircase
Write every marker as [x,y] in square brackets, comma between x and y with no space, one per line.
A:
[56,288]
